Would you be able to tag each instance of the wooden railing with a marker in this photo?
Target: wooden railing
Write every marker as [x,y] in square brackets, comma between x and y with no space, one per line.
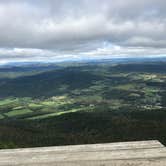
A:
[143,153]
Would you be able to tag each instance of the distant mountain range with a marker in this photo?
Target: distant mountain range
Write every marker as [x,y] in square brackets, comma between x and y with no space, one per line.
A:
[109,60]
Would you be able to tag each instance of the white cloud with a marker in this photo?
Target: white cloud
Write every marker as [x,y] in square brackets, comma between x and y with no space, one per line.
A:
[55,29]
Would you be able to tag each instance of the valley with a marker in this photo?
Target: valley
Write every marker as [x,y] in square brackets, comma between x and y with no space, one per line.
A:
[82,103]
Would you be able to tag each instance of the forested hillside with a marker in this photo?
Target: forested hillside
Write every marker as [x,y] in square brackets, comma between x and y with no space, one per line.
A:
[88,103]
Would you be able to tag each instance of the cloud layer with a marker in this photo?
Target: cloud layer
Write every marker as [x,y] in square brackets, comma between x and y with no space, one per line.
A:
[65,29]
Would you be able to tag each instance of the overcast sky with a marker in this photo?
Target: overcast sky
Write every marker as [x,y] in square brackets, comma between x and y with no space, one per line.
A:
[40,30]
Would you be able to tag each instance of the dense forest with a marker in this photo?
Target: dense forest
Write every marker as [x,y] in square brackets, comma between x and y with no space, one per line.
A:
[82,103]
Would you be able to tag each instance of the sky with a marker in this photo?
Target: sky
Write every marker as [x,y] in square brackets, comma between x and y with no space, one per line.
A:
[57,30]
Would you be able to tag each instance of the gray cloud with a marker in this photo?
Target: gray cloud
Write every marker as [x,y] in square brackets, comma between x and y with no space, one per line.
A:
[75,27]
